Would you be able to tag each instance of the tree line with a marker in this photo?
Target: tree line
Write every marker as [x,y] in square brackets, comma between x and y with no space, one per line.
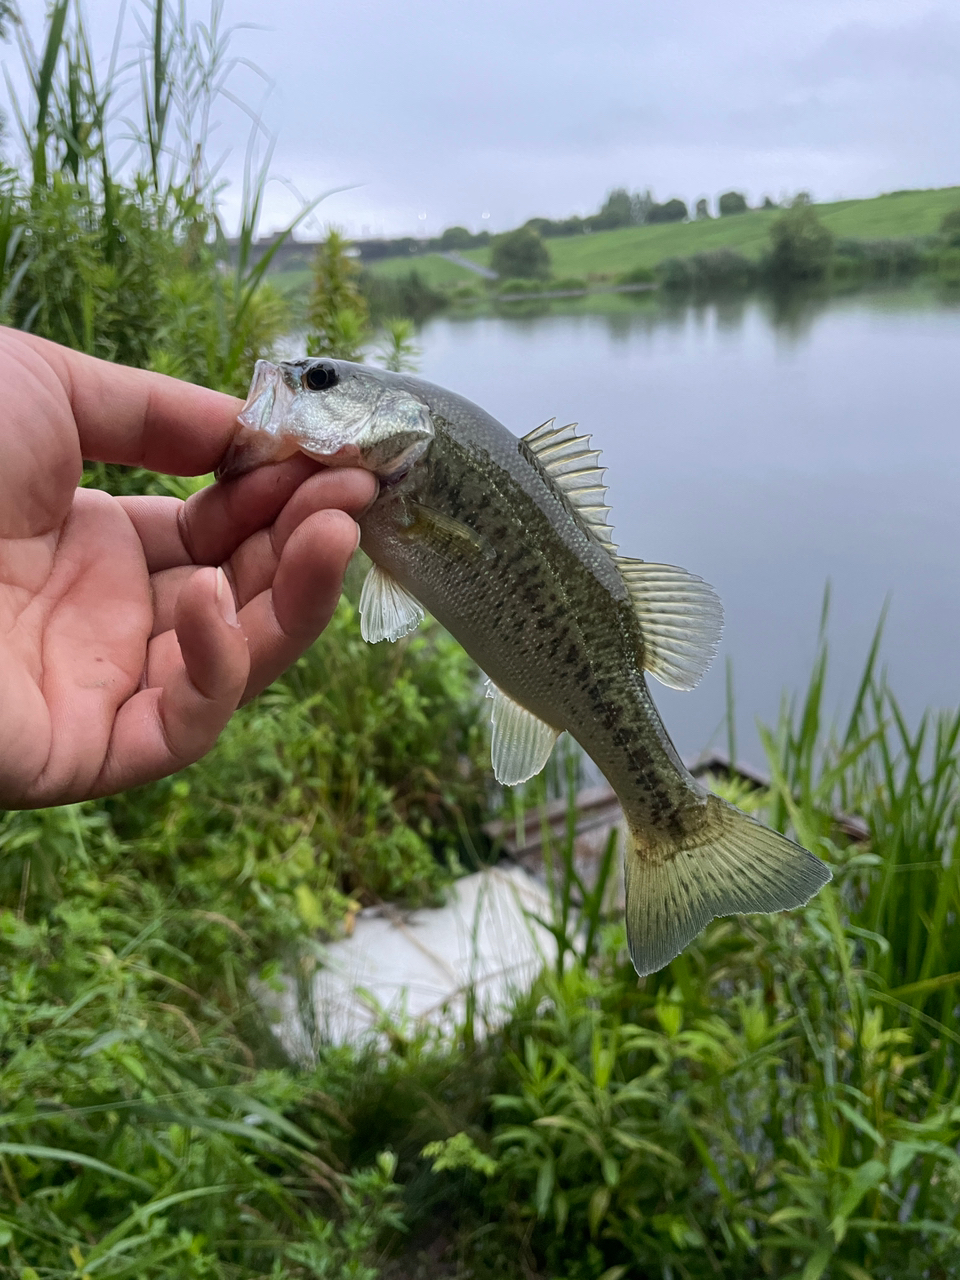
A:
[621,208]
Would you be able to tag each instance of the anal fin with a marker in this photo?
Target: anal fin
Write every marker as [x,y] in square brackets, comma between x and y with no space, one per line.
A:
[521,743]
[387,610]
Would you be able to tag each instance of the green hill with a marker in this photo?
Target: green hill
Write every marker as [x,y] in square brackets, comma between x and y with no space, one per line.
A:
[609,253]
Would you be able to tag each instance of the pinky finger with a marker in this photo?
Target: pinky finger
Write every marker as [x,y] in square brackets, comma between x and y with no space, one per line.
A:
[160,730]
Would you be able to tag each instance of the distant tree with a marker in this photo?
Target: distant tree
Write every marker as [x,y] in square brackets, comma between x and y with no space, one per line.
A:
[673,211]
[703,210]
[456,238]
[520,254]
[801,246]
[572,226]
[616,211]
[950,227]
[545,227]
[337,315]
[769,204]
[641,202]
[731,202]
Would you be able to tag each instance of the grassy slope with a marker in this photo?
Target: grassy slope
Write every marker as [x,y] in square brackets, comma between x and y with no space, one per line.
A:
[911,213]
[434,268]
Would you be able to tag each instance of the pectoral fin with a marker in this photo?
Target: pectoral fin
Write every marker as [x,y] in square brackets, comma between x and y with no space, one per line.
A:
[453,535]
[387,610]
[681,618]
[521,743]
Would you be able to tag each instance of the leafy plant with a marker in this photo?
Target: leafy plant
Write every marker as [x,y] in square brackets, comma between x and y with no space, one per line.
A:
[337,315]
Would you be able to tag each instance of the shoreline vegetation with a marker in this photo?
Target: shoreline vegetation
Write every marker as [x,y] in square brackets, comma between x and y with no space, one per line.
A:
[830,247]
[783,1100]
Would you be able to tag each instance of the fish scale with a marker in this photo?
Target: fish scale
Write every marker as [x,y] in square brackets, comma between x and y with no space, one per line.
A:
[605,674]
[504,541]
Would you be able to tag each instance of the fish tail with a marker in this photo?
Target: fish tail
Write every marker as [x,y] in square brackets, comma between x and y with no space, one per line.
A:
[737,866]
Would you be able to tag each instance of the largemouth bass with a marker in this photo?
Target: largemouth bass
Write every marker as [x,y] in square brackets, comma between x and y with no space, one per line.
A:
[505,541]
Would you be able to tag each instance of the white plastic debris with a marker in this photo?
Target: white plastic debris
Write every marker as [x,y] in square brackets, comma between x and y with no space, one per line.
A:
[414,968]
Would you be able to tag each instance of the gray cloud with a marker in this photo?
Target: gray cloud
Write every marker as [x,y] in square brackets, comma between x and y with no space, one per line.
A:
[522,108]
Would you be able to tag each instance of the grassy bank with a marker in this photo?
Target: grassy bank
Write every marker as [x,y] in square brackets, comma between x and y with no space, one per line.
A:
[783,1100]
[611,253]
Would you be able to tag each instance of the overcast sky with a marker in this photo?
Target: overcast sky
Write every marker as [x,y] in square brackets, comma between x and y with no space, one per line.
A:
[438,113]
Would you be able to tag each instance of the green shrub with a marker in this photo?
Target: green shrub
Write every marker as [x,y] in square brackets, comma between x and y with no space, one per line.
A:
[521,285]
[713,270]
[637,275]
[405,295]
[520,254]
[882,258]
[950,228]
[800,245]
[456,238]
[844,267]
[569,283]
[674,273]
[466,293]
[948,265]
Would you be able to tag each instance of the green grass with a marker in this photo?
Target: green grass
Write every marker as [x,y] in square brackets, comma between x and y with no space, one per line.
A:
[435,269]
[609,253]
[780,1101]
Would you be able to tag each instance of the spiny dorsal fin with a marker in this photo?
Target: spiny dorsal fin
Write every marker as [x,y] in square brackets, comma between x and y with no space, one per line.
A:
[387,610]
[521,743]
[681,618]
[570,462]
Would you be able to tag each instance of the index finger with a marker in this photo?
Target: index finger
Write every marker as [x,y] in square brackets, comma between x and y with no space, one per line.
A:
[138,418]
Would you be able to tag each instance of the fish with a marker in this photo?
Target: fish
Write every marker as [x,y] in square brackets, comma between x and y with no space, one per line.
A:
[506,542]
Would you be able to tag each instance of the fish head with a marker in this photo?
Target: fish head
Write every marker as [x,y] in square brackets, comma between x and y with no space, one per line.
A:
[344,414]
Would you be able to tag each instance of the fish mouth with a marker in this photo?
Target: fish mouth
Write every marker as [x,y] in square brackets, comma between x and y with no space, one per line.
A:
[269,399]
[261,418]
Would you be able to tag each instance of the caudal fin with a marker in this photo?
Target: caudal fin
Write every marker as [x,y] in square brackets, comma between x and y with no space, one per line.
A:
[741,866]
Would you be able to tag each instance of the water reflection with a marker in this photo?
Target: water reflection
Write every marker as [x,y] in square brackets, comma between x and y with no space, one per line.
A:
[770,445]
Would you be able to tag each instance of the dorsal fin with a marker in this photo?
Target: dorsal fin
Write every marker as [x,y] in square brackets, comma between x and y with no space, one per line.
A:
[572,465]
[681,618]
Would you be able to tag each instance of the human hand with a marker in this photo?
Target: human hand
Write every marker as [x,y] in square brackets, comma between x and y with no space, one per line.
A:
[132,628]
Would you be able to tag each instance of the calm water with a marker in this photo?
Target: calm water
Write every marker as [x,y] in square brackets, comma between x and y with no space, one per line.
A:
[770,454]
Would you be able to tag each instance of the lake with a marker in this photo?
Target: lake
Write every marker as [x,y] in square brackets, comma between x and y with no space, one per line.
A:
[771,451]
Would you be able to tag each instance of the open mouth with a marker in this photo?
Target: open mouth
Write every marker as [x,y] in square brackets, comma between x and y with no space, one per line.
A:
[268,400]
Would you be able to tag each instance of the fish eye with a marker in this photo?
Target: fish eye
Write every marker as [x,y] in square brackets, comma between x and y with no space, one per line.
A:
[320,377]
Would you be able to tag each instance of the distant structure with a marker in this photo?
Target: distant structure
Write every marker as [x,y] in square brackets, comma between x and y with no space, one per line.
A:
[295,255]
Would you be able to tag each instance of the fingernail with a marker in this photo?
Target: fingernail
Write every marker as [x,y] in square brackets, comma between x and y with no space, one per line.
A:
[358,538]
[225,600]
